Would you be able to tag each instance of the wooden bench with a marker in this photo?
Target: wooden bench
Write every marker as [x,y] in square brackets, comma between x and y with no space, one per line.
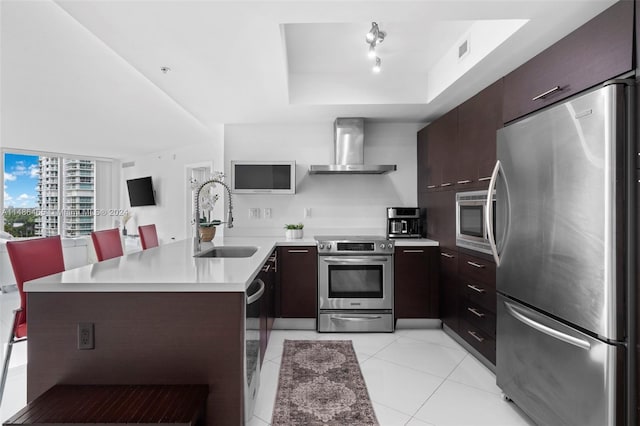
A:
[116,405]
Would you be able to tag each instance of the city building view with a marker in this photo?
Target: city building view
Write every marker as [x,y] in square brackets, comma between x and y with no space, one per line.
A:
[46,196]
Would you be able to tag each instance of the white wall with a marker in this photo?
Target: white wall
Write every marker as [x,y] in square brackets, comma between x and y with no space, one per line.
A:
[173,194]
[339,203]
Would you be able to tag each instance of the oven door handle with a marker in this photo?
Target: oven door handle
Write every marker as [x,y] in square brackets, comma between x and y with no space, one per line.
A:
[358,260]
[356,319]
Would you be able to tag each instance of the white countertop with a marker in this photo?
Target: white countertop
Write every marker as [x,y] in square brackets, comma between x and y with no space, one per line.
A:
[408,242]
[172,268]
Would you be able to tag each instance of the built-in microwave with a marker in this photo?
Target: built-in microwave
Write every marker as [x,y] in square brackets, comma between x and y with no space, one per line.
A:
[471,224]
[263,177]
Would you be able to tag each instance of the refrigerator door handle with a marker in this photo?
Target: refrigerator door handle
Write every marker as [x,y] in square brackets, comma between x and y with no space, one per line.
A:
[514,311]
[489,210]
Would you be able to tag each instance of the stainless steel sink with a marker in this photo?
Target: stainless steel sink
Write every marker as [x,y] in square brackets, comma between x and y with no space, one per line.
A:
[229,251]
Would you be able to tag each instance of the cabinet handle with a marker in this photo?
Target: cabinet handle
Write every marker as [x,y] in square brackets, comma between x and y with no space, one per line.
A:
[475,312]
[431,186]
[446,184]
[298,251]
[413,251]
[475,336]
[447,255]
[548,92]
[482,179]
[476,288]
[464,182]
[475,265]
[258,294]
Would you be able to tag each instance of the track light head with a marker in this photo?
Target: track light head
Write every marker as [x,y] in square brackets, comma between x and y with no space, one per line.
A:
[376,67]
[372,51]
[372,35]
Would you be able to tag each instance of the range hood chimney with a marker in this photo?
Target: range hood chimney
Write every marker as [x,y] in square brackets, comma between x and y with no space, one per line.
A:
[349,150]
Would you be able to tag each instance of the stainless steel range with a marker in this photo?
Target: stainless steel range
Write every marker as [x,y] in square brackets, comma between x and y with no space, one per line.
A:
[355,284]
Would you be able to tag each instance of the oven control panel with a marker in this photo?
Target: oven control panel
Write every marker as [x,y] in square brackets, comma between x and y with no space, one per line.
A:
[380,246]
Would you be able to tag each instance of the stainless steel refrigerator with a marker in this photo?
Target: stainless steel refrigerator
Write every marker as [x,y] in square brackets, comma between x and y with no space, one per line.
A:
[562,249]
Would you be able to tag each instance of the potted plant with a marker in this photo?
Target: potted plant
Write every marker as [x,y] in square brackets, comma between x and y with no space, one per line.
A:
[207,201]
[208,229]
[294,231]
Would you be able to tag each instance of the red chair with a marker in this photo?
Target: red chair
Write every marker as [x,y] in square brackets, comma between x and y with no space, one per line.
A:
[148,236]
[107,244]
[30,259]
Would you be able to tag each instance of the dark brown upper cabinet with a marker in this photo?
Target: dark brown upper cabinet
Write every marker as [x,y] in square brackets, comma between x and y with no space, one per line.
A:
[422,159]
[599,50]
[478,120]
[440,167]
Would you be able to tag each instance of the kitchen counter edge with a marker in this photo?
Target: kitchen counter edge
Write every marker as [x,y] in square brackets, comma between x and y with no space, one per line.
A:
[172,268]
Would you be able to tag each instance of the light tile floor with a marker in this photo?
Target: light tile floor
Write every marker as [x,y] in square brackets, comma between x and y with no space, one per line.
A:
[414,377]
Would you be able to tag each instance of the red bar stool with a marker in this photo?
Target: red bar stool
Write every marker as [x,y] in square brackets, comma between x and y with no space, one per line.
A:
[148,236]
[30,259]
[107,244]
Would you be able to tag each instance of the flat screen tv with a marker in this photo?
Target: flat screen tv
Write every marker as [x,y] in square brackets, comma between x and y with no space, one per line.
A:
[141,192]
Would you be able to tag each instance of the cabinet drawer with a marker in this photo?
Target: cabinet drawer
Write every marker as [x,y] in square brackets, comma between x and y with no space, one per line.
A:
[481,341]
[478,316]
[477,269]
[597,51]
[478,293]
[448,262]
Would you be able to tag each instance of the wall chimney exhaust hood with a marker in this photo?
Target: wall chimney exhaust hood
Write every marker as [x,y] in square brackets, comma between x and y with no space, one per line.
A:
[349,150]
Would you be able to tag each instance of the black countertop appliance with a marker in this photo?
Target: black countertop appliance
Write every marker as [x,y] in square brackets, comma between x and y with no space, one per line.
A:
[403,222]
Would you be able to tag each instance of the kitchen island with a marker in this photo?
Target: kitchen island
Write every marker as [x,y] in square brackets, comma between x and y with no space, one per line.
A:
[160,316]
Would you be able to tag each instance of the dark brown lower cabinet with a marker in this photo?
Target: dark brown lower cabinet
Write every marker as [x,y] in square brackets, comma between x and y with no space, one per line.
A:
[468,299]
[416,282]
[477,303]
[479,339]
[298,277]
[449,288]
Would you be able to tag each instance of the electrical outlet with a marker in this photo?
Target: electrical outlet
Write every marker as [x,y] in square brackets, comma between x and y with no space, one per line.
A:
[266,213]
[85,336]
[254,213]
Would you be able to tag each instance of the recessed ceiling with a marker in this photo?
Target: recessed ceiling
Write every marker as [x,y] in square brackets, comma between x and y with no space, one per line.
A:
[328,63]
[84,77]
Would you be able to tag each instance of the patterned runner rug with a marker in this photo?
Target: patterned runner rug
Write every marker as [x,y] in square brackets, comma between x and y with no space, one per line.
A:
[321,383]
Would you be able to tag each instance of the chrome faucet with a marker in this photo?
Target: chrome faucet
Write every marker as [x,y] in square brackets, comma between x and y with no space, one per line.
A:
[196,211]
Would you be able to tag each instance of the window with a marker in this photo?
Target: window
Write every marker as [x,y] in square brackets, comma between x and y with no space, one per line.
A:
[47,195]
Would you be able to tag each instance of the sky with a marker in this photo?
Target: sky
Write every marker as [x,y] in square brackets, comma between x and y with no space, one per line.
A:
[21,174]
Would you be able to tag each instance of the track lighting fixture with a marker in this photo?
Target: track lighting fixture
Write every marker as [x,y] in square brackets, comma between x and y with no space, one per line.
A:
[374,37]
[373,33]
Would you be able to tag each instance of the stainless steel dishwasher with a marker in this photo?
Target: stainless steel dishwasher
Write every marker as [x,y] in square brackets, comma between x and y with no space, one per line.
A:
[252,346]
